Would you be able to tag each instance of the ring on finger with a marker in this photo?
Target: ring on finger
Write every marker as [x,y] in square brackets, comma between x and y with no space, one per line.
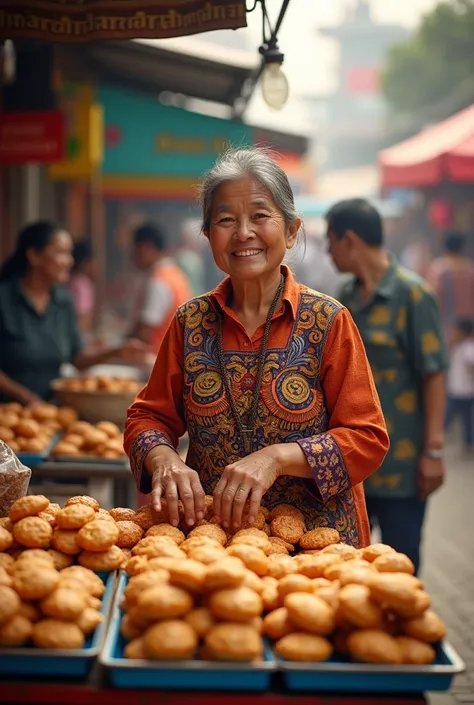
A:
[241,489]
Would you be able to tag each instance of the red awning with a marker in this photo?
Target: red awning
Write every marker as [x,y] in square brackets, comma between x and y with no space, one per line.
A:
[444,151]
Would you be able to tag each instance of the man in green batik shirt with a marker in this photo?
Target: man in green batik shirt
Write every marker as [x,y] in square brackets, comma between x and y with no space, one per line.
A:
[397,317]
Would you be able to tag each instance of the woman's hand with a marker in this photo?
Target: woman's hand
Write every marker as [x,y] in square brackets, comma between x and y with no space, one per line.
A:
[173,480]
[251,476]
[135,351]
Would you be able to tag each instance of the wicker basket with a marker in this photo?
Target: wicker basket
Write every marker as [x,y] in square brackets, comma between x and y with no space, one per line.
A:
[95,406]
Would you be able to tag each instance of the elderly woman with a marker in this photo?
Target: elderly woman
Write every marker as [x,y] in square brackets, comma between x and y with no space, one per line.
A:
[269,378]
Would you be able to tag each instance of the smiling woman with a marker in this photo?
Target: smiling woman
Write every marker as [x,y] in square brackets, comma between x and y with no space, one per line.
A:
[269,378]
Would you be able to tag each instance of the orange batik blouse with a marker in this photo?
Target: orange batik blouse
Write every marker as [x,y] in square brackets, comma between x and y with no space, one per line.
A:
[317,391]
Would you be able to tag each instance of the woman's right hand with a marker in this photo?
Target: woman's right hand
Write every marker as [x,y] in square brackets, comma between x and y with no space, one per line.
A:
[173,480]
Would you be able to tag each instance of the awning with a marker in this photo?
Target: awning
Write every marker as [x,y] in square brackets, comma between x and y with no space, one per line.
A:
[86,20]
[444,151]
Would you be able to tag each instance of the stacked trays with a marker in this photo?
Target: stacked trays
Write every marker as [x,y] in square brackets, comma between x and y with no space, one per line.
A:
[337,675]
[178,675]
[30,661]
[32,459]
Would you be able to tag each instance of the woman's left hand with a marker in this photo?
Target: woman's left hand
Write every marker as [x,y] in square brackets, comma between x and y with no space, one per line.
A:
[251,476]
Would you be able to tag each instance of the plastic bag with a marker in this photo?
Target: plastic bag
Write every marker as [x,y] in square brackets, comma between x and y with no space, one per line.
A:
[14,479]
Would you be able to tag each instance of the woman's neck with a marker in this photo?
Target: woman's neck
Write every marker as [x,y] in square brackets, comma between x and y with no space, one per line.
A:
[252,299]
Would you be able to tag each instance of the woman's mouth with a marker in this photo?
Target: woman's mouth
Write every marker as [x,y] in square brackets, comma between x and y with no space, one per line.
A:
[247,253]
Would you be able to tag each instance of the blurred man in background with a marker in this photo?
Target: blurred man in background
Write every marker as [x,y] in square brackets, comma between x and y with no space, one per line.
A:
[398,320]
[461,380]
[164,287]
[452,278]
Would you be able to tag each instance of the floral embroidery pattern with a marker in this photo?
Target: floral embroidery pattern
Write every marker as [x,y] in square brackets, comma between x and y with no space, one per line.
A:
[140,449]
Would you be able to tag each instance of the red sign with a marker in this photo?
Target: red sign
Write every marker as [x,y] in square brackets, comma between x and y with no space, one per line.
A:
[31,137]
[362,79]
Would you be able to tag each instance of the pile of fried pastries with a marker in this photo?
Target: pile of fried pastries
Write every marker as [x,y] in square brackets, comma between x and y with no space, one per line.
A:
[215,595]
[109,385]
[82,439]
[30,429]
[46,606]
[209,593]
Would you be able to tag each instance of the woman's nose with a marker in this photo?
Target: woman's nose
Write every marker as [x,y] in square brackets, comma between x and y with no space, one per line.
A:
[244,231]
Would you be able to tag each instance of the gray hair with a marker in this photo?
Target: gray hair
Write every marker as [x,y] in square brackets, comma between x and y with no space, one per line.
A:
[237,163]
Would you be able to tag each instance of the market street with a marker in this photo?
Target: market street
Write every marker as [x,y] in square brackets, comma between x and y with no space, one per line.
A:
[449,566]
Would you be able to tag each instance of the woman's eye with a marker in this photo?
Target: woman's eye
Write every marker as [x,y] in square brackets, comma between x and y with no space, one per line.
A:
[260,216]
[225,219]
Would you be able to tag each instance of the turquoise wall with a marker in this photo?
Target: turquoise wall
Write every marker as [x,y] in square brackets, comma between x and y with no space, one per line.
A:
[145,138]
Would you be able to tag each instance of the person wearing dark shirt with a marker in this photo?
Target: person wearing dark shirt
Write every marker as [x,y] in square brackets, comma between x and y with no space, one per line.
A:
[38,323]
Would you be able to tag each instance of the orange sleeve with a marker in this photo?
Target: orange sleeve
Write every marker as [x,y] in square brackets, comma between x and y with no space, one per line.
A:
[356,441]
[156,417]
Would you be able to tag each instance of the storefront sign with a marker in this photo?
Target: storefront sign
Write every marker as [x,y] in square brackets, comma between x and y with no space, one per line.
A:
[83,119]
[31,137]
[86,20]
[147,139]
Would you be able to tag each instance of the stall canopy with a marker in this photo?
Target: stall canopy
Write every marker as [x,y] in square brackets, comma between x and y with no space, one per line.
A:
[442,152]
[86,20]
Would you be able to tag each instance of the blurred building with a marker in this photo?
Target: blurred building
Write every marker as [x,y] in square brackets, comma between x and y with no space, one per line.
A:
[352,117]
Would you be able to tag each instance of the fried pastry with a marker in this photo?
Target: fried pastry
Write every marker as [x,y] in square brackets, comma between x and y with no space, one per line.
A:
[83,499]
[6,539]
[167,530]
[228,573]
[230,641]
[270,597]
[129,629]
[164,602]
[284,544]
[31,584]
[60,560]
[286,510]
[6,561]
[157,547]
[111,559]
[75,516]
[421,604]
[65,541]
[415,652]
[300,646]
[310,613]
[428,627]
[253,558]
[15,631]
[394,590]
[146,516]
[139,583]
[64,604]
[189,575]
[252,581]
[170,640]
[281,565]
[213,531]
[129,534]
[314,566]
[137,565]
[28,506]
[135,649]
[201,620]
[89,620]
[340,549]
[9,603]
[356,606]
[98,535]
[55,634]
[294,583]
[190,544]
[66,416]
[393,562]
[288,528]
[319,538]
[109,428]
[122,514]
[374,646]
[238,604]
[329,593]
[278,624]
[350,573]
[370,553]
[208,554]
[260,542]
[5,578]
[33,532]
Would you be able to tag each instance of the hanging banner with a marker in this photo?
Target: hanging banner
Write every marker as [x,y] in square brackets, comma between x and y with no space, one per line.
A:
[86,20]
[31,137]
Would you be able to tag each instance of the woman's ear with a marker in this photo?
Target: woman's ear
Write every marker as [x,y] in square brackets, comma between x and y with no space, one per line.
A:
[206,234]
[292,235]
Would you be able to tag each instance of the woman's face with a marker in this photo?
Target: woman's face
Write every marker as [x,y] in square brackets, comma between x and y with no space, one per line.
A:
[248,234]
[55,261]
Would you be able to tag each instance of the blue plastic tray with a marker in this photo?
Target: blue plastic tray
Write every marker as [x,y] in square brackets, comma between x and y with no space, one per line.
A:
[177,675]
[29,661]
[343,676]
[37,458]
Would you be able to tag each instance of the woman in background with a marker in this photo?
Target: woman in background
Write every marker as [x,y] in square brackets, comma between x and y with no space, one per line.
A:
[38,324]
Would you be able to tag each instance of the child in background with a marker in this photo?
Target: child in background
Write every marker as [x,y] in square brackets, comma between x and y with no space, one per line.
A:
[461,380]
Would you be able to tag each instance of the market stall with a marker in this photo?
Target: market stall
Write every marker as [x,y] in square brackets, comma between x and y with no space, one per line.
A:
[122,605]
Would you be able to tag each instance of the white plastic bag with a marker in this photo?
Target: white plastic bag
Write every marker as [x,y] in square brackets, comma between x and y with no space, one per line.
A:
[14,479]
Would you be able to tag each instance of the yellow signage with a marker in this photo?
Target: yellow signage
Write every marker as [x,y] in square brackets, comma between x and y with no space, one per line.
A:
[84,135]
